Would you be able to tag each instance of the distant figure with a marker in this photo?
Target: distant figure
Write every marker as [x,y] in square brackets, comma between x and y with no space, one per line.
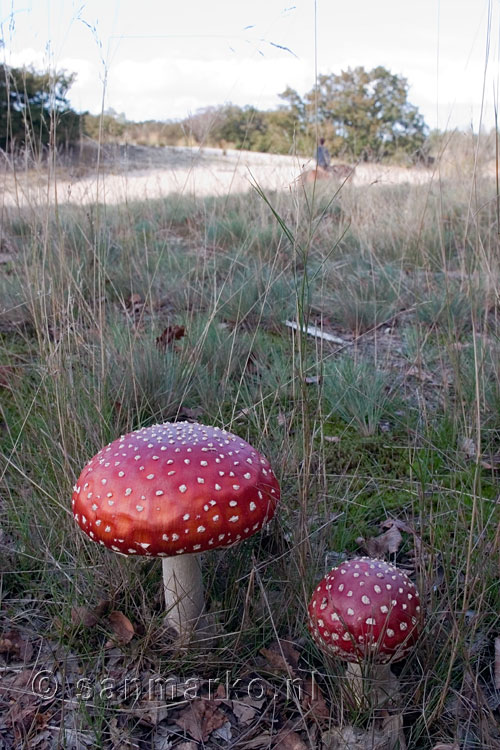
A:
[322,155]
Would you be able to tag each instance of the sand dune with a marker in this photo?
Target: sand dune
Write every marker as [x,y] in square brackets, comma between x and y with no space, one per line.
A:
[144,173]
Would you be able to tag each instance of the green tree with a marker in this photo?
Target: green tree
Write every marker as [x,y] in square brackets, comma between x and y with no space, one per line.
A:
[363,114]
[34,110]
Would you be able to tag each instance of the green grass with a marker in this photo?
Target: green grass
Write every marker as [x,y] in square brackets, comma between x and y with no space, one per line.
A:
[357,434]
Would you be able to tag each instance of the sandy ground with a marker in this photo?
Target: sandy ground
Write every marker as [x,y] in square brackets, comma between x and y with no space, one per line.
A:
[139,173]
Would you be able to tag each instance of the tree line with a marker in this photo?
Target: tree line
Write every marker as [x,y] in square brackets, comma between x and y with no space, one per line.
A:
[362,114]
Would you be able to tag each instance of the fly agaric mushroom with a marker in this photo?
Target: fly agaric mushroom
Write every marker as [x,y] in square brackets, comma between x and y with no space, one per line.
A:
[366,612]
[175,490]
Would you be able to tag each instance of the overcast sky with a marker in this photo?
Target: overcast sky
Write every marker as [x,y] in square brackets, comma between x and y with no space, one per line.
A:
[160,59]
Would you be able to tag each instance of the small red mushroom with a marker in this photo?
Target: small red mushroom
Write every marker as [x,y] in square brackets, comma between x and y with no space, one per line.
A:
[175,490]
[366,612]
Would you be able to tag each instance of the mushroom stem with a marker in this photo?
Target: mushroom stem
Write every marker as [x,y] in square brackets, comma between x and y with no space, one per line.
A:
[183,586]
[373,685]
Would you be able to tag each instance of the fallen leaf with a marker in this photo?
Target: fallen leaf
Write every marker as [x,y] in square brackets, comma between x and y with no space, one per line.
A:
[290,652]
[224,732]
[201,718]
[78,739]
[444,746]
[120,735]
[170,333]
[121,626]
[401,525]
[84,617]
[281,657]
[243,712]
[151,712]
[392,727]
[386,543]
[12,643]
[42,741]
[313,701]
[288,740]
[24,714]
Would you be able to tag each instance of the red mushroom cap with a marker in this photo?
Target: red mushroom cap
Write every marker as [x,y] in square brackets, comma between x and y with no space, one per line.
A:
[365,608]
[174,488]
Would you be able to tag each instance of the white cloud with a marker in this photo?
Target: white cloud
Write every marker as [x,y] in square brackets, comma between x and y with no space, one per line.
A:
[172,88]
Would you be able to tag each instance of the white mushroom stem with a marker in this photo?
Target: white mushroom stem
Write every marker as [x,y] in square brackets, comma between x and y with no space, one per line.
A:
[183,585]
[372,684]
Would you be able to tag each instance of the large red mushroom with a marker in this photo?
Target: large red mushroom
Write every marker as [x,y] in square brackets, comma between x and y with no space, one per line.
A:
[175,490]
[368,613]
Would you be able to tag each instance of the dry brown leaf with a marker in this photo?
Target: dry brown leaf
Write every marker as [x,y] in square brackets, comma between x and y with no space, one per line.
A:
[121,626]
[313,701]
[289,651]
[243,712]
[84,617]
[276,661]
[401,525]
[288,740]
[152,712]
[386,543]
[25,714]
[12,643]
[170,333]
[282,656]
[120,735]
[200,719]
[392,727]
